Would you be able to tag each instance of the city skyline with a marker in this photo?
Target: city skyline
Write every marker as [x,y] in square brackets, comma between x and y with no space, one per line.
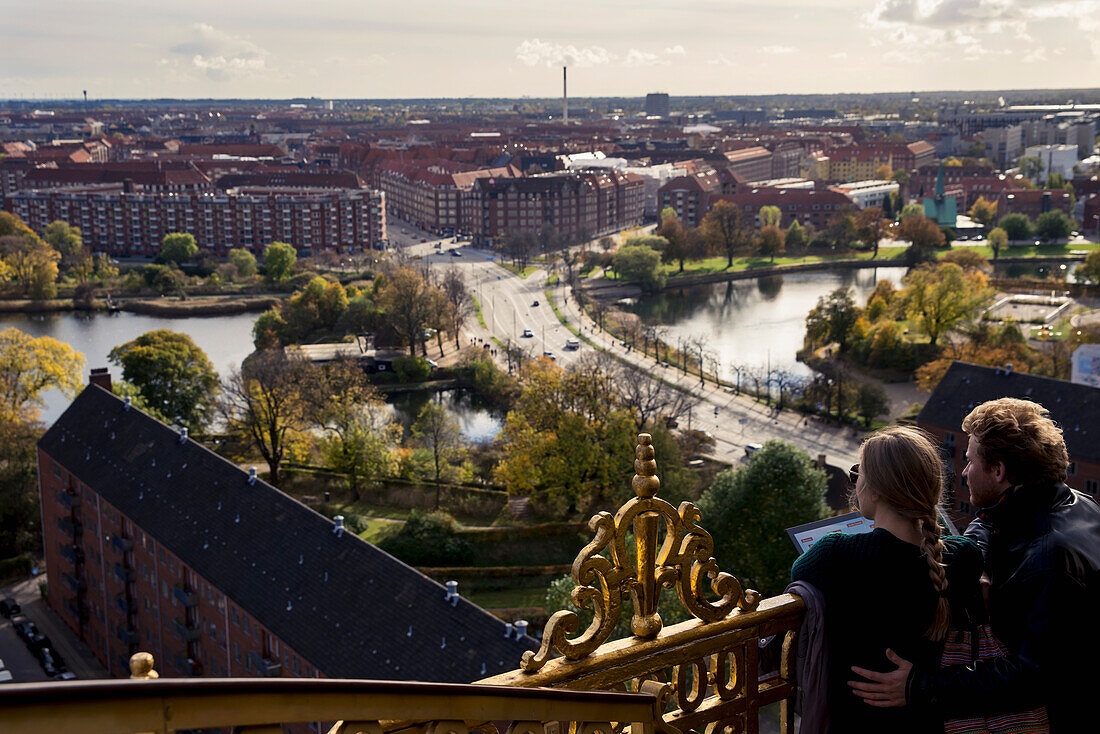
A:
[485,48]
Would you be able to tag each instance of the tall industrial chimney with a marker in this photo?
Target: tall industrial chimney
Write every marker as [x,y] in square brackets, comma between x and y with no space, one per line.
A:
[565,94]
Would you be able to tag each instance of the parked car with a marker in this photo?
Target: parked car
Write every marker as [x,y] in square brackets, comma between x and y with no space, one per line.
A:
[50,664]
[527,333]
[572,343]
[9,608]
[752,448]
[550,356]
[24,628]
[47,652]
[65,674]
[455,253]
[536,303]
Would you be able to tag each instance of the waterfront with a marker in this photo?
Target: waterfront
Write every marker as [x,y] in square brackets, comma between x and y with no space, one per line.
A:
[752,323]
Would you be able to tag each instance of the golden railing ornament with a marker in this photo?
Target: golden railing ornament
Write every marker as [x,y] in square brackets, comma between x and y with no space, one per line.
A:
[682,562]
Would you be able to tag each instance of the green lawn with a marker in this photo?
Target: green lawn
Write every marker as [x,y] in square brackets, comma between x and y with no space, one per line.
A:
[521,272]
[480,317]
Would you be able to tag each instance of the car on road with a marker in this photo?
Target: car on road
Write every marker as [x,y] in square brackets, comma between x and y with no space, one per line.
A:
[9,607]
[572,343]
[455,253]
[51,664]
[527,333]
[752,448]
[534,304]
[549,355]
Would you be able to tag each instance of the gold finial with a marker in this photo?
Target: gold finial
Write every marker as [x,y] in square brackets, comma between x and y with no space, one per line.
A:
[141,666]
[645,482]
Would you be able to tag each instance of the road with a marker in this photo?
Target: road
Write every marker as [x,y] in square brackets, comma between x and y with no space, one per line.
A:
[508,305]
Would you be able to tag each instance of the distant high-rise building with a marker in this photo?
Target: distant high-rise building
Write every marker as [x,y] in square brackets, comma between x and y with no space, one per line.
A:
[656,104]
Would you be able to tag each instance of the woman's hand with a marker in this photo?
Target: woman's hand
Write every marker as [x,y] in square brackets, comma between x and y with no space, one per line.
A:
[885,689]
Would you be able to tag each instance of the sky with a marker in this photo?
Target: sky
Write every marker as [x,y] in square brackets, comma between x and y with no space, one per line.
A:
[513,48]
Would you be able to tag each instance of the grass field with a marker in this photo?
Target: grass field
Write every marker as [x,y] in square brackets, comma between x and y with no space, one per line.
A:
[509,598]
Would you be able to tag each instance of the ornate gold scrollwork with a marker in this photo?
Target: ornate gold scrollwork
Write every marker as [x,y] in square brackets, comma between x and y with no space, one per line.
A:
[682,562]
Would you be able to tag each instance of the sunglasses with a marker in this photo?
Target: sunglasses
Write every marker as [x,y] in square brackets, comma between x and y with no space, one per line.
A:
[853,473]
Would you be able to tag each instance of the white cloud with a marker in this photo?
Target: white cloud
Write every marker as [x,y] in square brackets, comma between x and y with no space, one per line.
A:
[534,52]
[839,55]
[719,60]
[219,55]
[777,50]
[676,50]
[634,57]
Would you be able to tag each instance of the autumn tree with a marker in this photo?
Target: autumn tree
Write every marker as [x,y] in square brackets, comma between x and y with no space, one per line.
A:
[771,241]
[967,258]
[998,238]
[439,433]
[923,234]
[32,263]
[639,263]
[178,247]
[359,430]
[566,436]
[75,258]
[778,488]
[244,261]
[460,302]
[678,248]
[172,374]
[30,366]
[279,261]
[770,216]
[1089,271]
[408,302]
[984,211]
[832,319]
[263,400]
[1030,166]
[941,297]
[796,237]
[871,226]
[726,229]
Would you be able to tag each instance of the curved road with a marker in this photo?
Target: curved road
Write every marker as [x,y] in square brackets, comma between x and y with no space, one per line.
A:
[508,306]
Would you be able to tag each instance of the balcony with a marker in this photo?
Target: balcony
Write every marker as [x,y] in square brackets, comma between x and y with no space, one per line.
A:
[73,583]
[125,574]
[266,666]
[186,630]
[704,674]
[186,597]
[72,554]
[121,544]
[72,501]
[126,606]
[70,527]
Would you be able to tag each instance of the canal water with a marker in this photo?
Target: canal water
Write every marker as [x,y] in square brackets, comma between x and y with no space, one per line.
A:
[747,323]
[753,323]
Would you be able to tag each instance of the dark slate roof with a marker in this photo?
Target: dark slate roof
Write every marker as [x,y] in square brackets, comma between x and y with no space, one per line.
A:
[348,608]
[1076,408]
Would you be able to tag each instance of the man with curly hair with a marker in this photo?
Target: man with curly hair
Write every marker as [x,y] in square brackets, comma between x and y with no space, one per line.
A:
[1041,546]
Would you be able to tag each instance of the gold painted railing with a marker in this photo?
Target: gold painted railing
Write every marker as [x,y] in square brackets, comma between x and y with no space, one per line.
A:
[704,675]
[706,672]
[262,706]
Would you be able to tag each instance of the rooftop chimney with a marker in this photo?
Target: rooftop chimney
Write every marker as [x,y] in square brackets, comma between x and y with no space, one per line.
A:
[521,628]
[183,435]
[100,376]
[338,528]
[1008,368]
[508,629]
[126,405]
[452,592]
[251,475]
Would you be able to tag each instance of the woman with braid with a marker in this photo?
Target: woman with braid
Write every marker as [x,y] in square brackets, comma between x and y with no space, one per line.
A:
[893,589]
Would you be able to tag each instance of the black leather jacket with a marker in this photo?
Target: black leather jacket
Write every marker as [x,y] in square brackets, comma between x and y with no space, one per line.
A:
[1041,546]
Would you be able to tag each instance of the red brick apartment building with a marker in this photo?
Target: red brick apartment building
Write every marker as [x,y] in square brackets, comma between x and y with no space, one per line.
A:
[125,223]
[430,196]
[154,543]
[1076,408]
[813,207]
[1033,202]
[691,195]
[574,204]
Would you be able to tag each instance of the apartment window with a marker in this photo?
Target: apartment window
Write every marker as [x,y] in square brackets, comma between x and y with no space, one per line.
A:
[245,626]
[1092,486]
[949,439]
[1071,470]
[236,652]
